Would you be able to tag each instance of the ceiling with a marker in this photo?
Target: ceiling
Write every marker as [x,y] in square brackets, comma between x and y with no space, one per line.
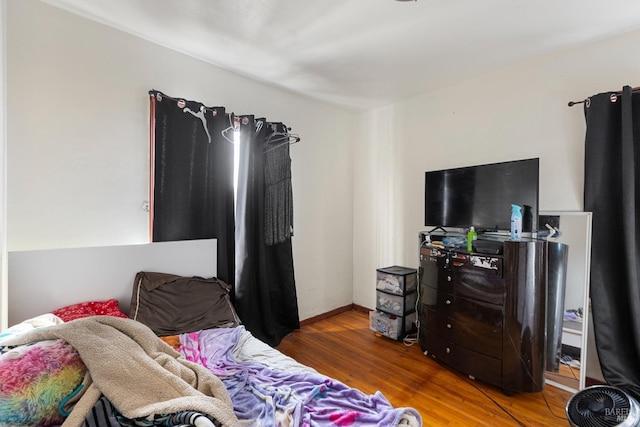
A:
[364,54]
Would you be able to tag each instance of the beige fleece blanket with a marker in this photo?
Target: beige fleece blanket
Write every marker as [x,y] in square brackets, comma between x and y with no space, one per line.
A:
[138,372]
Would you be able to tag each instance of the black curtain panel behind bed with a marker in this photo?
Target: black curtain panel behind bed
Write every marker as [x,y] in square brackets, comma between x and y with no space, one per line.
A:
[193,198]
[266,298]
[192,168]
[612,193]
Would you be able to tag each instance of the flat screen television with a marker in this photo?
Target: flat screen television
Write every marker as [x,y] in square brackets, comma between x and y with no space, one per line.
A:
[481,196]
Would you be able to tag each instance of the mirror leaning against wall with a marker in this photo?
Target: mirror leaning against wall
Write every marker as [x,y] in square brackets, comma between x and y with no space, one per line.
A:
[577,358]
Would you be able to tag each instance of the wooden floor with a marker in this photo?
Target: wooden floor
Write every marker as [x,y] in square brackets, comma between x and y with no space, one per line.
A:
[344,348]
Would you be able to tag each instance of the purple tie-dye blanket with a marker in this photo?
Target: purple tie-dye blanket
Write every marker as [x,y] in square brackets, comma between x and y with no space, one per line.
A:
[269,396]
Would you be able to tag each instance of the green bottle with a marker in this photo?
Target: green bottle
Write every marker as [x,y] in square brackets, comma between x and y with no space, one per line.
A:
[471,236]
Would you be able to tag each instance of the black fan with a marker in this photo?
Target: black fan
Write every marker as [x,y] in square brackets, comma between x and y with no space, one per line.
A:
[602,406]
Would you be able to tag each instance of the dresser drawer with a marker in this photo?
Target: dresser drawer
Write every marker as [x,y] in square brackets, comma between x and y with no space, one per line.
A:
[479,366]
[475,277]
[434,263]
[476,336]
[485,265]
[461,308]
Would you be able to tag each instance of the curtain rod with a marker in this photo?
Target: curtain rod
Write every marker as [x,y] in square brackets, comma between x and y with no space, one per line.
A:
[572,103]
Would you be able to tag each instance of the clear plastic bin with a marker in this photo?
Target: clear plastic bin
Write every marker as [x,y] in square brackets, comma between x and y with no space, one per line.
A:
[397,280]
[396,304]
[385,324]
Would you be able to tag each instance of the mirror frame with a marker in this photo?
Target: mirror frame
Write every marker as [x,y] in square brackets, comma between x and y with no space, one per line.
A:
[586,302]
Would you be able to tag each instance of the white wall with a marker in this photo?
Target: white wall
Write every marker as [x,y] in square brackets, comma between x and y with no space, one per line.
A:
[3,171]
[78,144]
[515,113]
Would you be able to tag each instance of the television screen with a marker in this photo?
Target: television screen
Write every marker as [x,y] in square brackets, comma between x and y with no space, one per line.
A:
[481,196]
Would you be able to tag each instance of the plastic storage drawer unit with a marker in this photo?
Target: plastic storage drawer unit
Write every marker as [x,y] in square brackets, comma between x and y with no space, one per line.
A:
[396,298]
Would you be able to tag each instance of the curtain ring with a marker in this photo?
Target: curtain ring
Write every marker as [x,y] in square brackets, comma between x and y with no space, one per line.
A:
[587,102]
[613,97]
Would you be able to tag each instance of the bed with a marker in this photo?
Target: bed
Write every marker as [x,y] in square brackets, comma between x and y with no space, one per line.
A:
[172,352]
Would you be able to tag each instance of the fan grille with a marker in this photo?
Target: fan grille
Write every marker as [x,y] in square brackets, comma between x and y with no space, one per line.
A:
[599,407]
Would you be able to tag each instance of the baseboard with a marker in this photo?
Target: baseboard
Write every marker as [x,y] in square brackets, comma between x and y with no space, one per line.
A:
[333,312]
[361,309]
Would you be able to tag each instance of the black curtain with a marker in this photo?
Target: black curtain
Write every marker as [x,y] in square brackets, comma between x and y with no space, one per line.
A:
[612,185]
[192,166]
[266,298]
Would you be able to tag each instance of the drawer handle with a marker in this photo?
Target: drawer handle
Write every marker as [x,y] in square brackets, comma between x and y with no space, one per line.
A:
[448,350]
[448,302]
[448,325]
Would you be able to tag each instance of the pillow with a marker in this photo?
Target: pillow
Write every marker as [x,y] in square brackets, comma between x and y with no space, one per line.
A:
[170,304]
[90,308]
[37,380]
[172,340]
[44,320]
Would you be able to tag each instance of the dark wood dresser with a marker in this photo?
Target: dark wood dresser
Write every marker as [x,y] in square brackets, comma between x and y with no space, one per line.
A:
[484,315]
